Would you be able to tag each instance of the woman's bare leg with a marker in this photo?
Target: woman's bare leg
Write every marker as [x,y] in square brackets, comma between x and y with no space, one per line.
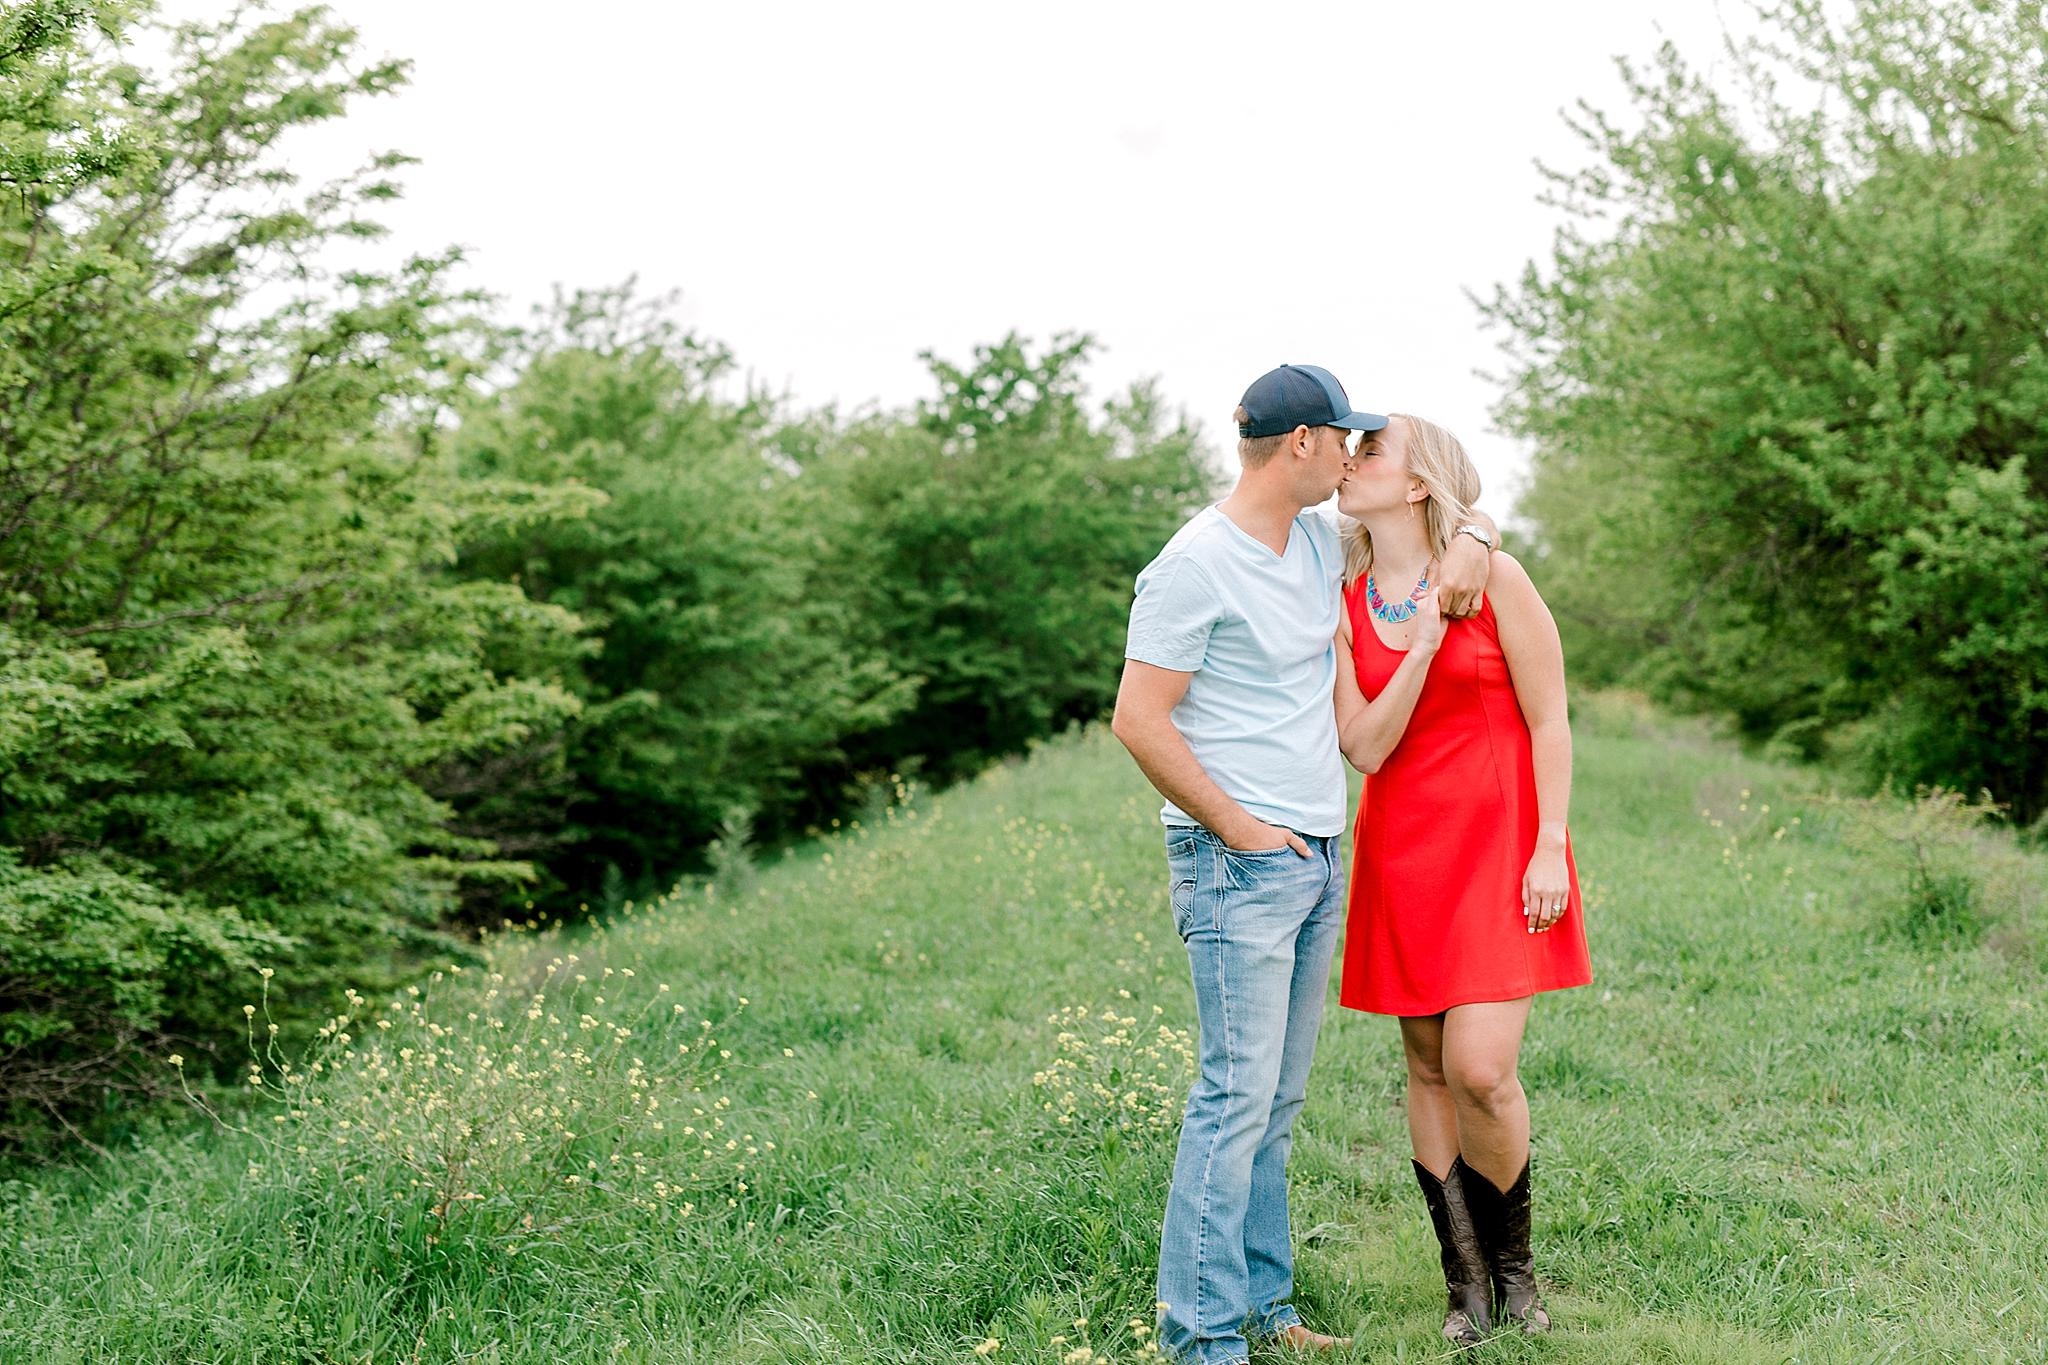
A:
[1479,1048]
[1433,1130]
[1432,1115]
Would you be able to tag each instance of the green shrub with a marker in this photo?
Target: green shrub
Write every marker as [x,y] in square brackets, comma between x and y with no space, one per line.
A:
[783,607]
[717,674]
[1956,876]
[988,548]
[92,962]
[224,649]
[1787,385]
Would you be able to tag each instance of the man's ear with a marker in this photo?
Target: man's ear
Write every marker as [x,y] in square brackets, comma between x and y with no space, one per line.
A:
[1302,441]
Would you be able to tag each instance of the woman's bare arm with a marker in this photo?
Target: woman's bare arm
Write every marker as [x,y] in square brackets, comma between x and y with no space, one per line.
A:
[1535,659]
[1367,731]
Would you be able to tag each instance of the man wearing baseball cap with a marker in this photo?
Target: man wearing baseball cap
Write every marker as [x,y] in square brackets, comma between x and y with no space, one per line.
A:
[1226,704]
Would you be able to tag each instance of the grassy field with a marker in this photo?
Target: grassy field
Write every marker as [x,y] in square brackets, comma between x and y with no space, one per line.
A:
[912,1090]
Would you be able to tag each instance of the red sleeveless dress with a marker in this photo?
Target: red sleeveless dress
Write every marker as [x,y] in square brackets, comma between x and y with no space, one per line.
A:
[1444,834]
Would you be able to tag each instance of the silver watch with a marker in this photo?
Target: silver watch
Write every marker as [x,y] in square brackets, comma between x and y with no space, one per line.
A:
[1477,533]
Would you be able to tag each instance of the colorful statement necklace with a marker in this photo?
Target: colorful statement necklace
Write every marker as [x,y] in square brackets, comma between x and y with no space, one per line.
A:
[1395,614]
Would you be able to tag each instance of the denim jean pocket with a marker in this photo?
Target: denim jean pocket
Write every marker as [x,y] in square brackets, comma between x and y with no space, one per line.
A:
[1183,854]
[1182,896]
[1261,871]
[1224,850]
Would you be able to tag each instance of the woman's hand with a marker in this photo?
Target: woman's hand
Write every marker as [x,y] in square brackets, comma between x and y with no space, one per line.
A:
[1546,888]
[1429,624]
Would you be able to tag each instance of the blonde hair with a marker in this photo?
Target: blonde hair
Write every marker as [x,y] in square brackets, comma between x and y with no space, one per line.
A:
[1253,451]
[1440,464]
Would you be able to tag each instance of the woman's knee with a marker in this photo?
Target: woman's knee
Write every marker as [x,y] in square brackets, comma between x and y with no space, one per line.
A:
[1424,1048]
[1487,1084]
[1426,1070]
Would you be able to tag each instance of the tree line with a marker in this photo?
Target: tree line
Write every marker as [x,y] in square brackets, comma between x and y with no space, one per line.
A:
[339,615]
[1785,373]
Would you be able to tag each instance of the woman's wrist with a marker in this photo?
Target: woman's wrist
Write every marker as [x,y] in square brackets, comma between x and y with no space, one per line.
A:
[1550,836]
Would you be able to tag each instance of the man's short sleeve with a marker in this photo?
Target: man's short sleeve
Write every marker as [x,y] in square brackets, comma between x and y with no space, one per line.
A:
[1175,610]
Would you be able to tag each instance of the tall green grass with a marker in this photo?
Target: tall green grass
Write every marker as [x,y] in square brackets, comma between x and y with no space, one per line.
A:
[913,1089]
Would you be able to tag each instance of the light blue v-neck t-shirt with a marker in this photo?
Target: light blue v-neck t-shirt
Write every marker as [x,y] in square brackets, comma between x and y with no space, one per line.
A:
[1255,628]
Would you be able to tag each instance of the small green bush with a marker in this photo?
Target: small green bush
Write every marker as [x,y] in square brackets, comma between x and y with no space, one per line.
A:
[1957,875]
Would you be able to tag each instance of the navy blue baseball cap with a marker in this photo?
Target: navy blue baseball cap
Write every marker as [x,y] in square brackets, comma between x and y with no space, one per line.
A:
[1301,396]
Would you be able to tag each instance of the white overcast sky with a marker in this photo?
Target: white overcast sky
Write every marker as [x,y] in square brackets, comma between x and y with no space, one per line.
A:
[1210,190]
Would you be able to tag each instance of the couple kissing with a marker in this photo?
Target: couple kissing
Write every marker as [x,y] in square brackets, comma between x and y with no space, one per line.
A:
[1269,643]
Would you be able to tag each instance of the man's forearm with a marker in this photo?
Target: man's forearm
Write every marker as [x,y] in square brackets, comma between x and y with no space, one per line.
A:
[1167,762]
[1467,566]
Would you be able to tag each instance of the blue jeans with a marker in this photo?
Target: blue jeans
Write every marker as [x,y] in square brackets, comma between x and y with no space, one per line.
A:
[1260,930]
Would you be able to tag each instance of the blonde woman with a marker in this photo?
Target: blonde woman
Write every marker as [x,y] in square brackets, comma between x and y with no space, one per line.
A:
[1464,902]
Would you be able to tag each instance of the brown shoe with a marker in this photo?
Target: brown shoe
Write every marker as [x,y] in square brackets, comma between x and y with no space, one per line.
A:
[1468,1315]
[1502,1219]
[1296,1337]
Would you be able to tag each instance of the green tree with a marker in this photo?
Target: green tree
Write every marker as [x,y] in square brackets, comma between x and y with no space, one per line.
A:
[719,676]
[224,652]
[1785,377]
[989,544]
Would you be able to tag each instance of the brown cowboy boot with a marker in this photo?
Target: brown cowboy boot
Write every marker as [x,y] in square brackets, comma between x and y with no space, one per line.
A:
[1502,1219]
[1470,1314]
